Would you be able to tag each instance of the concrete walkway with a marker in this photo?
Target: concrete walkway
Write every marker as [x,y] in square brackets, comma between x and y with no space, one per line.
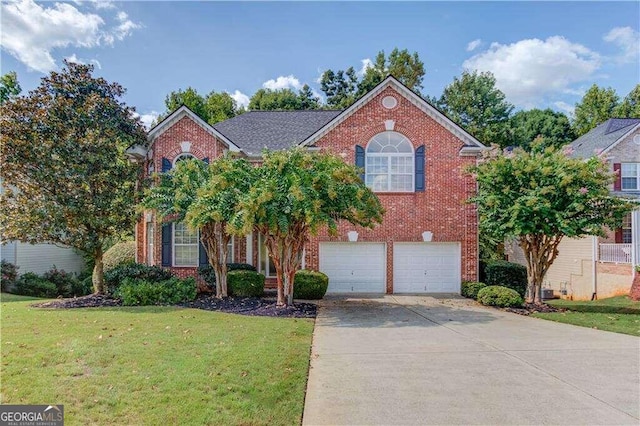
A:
[420,360]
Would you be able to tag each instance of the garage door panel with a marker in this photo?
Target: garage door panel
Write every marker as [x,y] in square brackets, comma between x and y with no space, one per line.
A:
[426,268]
[354,267]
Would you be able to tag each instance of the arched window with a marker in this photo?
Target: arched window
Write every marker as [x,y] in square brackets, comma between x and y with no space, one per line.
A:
[389,163]
[183,156]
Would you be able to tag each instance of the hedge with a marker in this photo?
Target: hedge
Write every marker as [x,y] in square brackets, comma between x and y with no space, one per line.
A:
[310,285]
[243,283]
[209,276]
[114,278]
[137,292]
[500,296]
[507,274]
[118,254]
[470,289]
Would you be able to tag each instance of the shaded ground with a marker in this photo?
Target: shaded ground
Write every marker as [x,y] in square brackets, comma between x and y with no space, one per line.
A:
[534,308]
[252,306]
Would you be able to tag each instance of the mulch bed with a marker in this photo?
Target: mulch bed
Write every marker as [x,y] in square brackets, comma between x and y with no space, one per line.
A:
[530,308]
[253,306]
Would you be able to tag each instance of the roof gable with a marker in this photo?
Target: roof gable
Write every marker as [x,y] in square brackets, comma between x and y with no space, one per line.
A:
[603,137]
[469,141]
[180,113]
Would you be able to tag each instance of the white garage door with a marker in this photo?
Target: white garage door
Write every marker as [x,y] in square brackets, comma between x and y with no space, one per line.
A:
[354,267]
[426,268]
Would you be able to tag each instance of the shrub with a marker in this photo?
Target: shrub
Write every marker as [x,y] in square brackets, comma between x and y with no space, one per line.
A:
[9,273]
[310,285]
[119,254]
[82,287]
[63,281]
[31,284]
[209,276]
[244,283]
[139,292]
[139,271]
[500,296]
[470,289]
[507,274]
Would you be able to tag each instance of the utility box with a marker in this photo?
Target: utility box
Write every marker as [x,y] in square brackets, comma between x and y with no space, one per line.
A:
[546,293]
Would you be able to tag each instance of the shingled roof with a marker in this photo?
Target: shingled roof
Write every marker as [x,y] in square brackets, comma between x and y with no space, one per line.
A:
[602,137]
[254,131]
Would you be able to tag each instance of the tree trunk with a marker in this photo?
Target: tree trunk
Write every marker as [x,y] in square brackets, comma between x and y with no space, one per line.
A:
[540,251]
[215,241]
[285,251]
[98,272]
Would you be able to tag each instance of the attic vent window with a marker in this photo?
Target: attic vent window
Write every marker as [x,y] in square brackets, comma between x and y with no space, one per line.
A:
[636,139]
[389,102]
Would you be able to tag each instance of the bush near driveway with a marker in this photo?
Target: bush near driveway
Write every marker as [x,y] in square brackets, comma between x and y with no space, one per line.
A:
[470,289]
[310,285]
[507,274]
[499,296]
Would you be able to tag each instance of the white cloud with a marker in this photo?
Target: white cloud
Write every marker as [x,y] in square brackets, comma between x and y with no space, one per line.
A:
[366,64]
[103,4]
[147,119]
[241,99]
[565,107]
[628,40]
[473,45]
[31,31]
[283,82]
[73,58]
[529,70]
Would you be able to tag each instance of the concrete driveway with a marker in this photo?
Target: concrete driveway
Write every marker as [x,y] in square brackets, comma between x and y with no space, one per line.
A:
[423,360]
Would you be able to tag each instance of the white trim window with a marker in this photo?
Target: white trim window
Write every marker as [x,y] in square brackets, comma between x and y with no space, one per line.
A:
[185,245]
[630,175]
[150,243]
[183,156]
[230,247]
[389,163]
[627,230]
[265,263]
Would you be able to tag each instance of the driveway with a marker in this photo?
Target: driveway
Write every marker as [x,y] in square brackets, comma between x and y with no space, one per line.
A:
[424,360]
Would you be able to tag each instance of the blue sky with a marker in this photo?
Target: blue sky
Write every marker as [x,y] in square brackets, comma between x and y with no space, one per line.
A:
[544,54]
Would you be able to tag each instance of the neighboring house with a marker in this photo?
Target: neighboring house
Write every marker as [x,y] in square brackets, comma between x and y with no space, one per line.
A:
[603,266]
[413,157]
[40,258]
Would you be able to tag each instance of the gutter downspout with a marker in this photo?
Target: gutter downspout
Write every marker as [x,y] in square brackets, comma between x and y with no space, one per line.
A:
[594,295]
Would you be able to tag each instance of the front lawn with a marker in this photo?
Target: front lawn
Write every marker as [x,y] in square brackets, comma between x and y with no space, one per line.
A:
[618,314]
[154,365]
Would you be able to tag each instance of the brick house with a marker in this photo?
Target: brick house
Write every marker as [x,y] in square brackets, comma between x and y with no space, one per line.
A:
[413,157]
[603,267]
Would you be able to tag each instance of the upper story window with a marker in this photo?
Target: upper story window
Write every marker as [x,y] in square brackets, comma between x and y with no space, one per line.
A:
[630,175]
[181,157]
[389,163]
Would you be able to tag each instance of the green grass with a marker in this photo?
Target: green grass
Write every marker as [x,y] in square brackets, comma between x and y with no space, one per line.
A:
[154,365]
[618,314]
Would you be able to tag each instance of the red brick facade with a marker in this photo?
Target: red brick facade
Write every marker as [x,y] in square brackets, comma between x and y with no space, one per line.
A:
[441,208]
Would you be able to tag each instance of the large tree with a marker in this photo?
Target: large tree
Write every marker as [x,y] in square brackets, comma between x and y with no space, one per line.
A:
[342,88]
[475,103]
[295,193]
[406,67]
[630,105]
[537,198]
[204,197]
[67,180]
[9,86]
[597,106]
[212,108]
[551,127]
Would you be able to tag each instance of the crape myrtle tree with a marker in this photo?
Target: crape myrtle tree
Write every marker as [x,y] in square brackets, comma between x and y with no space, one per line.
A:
[537,198]
[293,194]
[65,174]
[204,197]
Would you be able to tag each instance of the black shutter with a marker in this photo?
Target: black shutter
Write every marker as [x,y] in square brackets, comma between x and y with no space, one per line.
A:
[203,260]
[166,165]
[360,160]
[166,244]
[419,169]
[205,160]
